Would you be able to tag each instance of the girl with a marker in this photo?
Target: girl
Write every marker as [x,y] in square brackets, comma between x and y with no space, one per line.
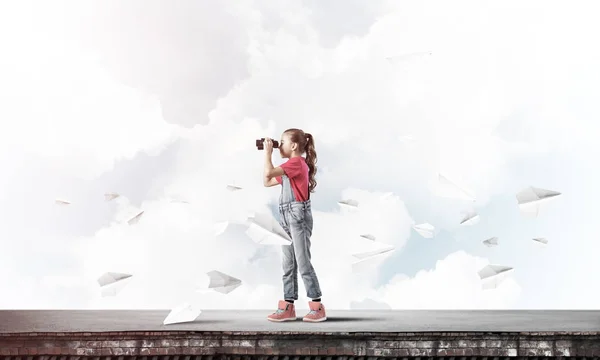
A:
[297,177]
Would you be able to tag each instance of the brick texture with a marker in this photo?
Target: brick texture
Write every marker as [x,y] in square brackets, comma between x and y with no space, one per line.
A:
[294,346]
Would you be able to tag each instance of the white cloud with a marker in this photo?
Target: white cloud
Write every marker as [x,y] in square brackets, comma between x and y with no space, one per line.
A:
[347,95]
[453,284]
[60,104]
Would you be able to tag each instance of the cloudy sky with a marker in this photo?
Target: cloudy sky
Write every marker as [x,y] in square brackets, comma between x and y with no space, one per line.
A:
[160,102]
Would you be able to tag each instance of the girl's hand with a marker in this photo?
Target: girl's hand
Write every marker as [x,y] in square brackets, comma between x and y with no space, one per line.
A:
[268,146]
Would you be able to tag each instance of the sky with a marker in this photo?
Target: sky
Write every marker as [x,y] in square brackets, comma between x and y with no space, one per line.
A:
[159,102]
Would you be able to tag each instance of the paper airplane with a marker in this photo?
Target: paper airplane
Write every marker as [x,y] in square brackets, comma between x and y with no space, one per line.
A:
[220,227]
[111,283]
[368,236]
[471,218]
[110,196]
[368,254]
[386,195]
[222,283]
[233,188]
[371,258]
[448,189]
[542,241]
[61,202]
[112,277]
[532,199]
[135,219]
[491,242]
[493,275]
[348,203]
[182,314]
[426,230]
[264,229]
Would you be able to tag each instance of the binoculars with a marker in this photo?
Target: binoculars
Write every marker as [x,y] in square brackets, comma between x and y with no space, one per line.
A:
[260,144]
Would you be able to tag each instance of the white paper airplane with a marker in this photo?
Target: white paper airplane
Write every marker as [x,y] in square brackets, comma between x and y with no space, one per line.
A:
[135,219]
[369,259]
[471,218]
[541,240]
[348,203]
[493,241]
[182,314]
[110,196]
[426,230]
[368,237]
[265,229]
[61,202]
[220,227]
[111,283]
[532,199]
[368,254]
[386,195]
[112,277]
[222,282]
[233,188]
[114,289]
[493,275]
[449,189]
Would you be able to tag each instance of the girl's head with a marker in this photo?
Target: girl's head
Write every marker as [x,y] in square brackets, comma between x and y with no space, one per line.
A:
[295,142]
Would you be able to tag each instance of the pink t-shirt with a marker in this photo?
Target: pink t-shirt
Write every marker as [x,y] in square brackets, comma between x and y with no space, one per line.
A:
[297,171]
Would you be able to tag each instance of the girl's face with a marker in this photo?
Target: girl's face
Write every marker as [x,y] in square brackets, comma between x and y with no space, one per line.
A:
[285,146]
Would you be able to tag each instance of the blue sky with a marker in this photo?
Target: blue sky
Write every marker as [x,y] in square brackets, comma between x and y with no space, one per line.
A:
[497,108]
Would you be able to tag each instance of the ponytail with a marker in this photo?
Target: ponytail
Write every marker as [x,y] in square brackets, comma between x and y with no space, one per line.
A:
[311,161]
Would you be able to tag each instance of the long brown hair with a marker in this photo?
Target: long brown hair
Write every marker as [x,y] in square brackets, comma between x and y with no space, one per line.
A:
[306,144]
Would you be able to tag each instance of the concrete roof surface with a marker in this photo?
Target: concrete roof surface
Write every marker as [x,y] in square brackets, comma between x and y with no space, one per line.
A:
[18,321]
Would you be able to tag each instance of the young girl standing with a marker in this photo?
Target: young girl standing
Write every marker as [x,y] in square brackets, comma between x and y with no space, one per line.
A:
[297,177]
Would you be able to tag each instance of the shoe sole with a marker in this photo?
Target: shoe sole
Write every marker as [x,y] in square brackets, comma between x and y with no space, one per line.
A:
[281,320]
[318,320]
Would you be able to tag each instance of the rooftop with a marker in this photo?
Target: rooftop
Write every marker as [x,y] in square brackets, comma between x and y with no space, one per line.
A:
[342,321]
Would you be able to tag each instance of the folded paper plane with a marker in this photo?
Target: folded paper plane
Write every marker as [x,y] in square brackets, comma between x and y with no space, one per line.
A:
[182,314]
[222,282]
[220,227]
[493,241]
[134,220]
[531,200]
[449,189]
[368,237]
[471,218]
[426,230]
[111,283]
[110,196]
[493,275]
[543,241]
[265,229]
[370,258]
[348,203]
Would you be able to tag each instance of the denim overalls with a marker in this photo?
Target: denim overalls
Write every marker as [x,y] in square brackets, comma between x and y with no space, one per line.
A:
[297,221]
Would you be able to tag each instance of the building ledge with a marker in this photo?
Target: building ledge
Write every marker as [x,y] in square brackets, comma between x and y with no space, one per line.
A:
[248,335]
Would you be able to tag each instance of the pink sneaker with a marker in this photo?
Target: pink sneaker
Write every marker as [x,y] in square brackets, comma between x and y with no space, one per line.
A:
[285,312]
[316,313]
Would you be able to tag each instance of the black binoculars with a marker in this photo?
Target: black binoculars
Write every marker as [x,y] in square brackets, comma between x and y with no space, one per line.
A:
[260,144]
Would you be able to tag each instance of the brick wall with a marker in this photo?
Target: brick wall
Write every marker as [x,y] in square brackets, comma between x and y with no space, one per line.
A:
[251,345]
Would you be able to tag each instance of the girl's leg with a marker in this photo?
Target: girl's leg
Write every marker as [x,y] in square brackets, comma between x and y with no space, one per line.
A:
[300,233]
[290,273]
